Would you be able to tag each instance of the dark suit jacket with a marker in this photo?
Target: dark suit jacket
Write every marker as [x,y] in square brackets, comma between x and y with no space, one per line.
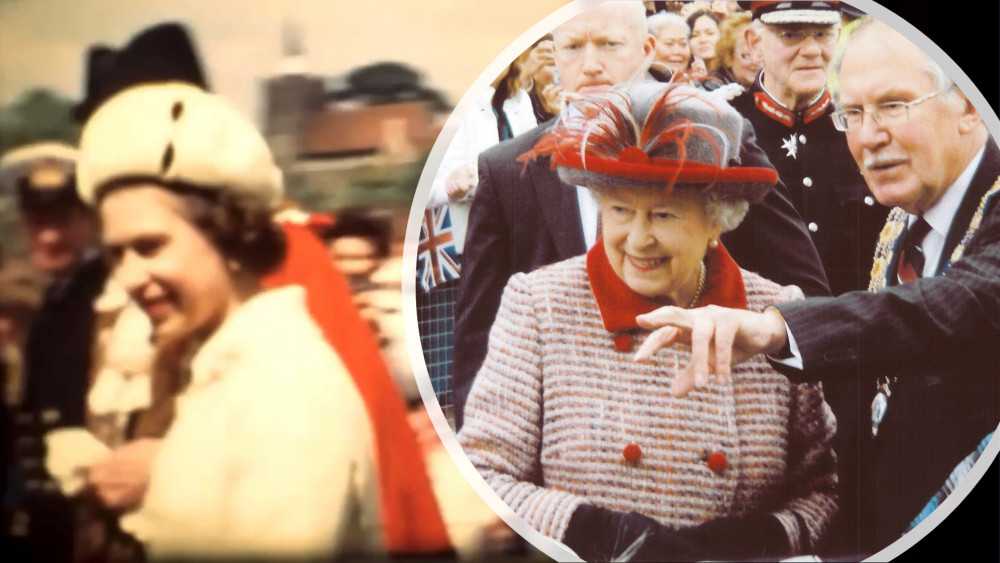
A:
[523,217]
[940,337]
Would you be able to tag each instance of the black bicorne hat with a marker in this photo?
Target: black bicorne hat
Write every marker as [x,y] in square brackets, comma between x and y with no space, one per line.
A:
[162,53]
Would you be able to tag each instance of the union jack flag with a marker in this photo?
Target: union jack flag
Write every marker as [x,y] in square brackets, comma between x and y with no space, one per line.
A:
[436,255]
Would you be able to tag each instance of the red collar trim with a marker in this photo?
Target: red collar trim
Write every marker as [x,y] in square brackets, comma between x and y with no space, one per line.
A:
[773,109]
[619,305]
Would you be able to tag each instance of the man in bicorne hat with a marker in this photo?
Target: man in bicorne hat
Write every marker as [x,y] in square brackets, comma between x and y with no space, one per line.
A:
[789,107]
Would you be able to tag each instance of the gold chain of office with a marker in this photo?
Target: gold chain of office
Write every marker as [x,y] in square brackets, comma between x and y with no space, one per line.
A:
[894,226]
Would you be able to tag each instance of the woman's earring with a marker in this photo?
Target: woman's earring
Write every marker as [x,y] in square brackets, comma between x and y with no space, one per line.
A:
[714,243]
[233,266]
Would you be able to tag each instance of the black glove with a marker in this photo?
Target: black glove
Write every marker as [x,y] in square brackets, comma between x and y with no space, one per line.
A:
[600,534]
[754,537]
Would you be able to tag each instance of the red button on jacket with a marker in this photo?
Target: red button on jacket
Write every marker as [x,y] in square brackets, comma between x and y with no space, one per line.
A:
[632,453]
[717,462]
[624,342]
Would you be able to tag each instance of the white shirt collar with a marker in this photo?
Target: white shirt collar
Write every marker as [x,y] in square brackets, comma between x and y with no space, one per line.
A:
[940,216]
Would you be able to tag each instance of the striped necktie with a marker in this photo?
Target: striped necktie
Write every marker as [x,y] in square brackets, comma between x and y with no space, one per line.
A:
[911,257]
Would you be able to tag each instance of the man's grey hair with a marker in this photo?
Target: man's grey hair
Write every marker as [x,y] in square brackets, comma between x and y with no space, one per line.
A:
[657,22]
[865,27]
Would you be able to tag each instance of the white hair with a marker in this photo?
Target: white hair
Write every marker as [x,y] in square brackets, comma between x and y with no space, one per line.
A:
[725,213]
[869,26]
[657,22]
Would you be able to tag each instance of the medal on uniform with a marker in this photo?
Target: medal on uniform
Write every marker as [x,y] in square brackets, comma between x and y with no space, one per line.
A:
[880,404]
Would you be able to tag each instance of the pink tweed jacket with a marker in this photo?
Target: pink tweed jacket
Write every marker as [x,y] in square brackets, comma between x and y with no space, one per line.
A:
[559,398]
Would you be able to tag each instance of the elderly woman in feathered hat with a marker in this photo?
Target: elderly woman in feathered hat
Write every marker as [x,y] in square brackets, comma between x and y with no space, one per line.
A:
[590,446]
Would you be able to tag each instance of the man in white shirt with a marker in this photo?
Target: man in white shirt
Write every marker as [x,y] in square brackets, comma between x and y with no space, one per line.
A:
[923,341]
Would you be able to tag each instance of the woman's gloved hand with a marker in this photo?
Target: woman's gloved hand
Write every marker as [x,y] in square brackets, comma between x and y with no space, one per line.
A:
[600,534]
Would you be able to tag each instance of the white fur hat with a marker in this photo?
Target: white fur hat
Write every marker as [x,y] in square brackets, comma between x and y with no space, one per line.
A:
[175,134]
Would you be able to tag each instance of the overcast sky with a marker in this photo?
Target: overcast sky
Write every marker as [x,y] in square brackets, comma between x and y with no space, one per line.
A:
[42,42]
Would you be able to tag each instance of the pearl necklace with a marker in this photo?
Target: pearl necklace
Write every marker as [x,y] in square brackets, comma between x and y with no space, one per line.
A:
[701,286]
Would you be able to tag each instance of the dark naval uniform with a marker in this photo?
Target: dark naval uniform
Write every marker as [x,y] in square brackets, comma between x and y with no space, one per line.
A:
[38,519]
[57,363]
[825,185]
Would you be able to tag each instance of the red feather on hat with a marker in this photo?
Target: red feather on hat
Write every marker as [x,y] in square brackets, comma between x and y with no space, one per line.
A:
[606,128]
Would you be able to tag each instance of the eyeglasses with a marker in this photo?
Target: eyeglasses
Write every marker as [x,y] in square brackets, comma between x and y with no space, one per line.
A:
[790,38]
[886,113]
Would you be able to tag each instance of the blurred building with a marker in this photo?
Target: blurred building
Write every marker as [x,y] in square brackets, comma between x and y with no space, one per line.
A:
[354,140]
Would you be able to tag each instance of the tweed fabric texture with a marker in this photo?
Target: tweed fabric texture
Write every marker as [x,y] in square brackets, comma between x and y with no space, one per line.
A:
[555,404]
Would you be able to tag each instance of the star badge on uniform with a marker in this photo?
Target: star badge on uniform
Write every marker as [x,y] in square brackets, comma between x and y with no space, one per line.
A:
[791,145]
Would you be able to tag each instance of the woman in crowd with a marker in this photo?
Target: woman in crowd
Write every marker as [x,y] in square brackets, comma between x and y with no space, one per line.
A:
[671,33]
[539,73]
[270,451]
[735,61]
[505,110]
[589,446]
[704,35]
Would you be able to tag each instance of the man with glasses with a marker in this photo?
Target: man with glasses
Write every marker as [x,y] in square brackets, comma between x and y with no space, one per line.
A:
[789,108]
[923,342]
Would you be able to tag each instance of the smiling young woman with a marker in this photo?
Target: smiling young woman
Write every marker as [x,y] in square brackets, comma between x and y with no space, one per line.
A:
[240,306]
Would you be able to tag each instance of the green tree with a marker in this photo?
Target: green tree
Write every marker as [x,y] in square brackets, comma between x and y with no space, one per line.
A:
[37,115]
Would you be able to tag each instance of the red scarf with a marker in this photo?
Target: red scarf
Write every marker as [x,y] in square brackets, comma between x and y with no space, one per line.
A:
[411,520]
[620,305]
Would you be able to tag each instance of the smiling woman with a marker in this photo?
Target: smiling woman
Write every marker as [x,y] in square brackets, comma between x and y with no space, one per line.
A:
[261,399]
[587,444]
[153,236]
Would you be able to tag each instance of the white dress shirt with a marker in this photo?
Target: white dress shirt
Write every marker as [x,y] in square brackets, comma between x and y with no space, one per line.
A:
[939,217]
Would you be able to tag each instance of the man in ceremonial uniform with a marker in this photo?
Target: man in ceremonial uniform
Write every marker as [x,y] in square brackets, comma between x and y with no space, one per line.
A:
[789,107]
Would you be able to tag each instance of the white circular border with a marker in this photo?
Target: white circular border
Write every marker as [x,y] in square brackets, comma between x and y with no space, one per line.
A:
[545,544]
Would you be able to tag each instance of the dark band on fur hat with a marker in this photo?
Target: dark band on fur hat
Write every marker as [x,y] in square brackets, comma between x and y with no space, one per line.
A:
[161,53]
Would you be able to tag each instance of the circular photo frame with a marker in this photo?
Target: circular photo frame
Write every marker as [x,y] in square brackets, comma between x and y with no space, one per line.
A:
[432,270]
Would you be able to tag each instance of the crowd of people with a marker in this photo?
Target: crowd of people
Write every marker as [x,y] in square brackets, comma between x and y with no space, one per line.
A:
[663,352]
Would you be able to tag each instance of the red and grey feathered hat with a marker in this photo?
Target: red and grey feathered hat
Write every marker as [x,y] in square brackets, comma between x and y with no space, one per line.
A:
[656,136]
[777,12]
